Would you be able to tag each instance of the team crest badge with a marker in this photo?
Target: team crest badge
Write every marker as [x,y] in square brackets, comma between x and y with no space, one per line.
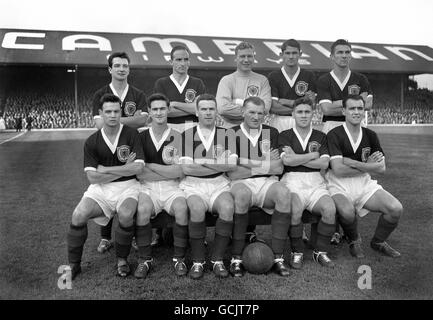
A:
[313,146]
[265,146]
[253,91]
[354,89]
[217,150]
[301,87]
[130,108]
[123,153]
[365,154]
[170,155]
[190,95]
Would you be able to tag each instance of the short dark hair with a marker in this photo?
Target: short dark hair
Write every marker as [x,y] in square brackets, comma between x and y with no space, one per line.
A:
[122,55]
[177,48]
[342,42]
[303,100]
[157,97]
[355,97]
[290,43]
[254,100]
[109,97]
[205,96]
[243,45]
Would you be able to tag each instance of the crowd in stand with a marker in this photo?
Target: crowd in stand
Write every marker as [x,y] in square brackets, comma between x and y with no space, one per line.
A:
[57,110]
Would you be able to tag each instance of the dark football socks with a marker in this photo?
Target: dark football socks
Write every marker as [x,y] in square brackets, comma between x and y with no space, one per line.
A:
[180,240]
[106,230]
[76,238]
[197,235]
[223,232]
[123,240]
[240,224]
[295,232]
[383,230]
[280,226]
[143,237]
[350,228]
[324,235]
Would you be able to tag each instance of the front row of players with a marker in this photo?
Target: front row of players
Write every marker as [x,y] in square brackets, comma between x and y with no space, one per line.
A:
[226,172]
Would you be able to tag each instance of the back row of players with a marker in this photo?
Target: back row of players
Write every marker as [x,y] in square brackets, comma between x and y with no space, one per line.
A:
[228,171]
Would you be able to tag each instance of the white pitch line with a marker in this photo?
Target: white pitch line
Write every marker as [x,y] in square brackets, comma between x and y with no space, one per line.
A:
[13,138]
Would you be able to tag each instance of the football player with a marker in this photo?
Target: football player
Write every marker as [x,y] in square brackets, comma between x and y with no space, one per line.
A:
[255,183]
[234,88]
[160,187]
[356,154]
[205,158]
[304,152]
[334,86]
[288,84]
[112,159]
[181,89]
[133,112]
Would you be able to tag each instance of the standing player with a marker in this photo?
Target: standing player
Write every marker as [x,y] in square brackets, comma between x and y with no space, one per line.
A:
[181,89]
[304,154]
[254,183]
[133,112]
[112,158]
[288,84]
[205,158]
[160,186]
[334,86]
[355,154]
[234,88]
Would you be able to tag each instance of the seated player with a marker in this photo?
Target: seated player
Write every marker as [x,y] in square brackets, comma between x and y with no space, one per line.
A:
[160,187]
[255,183]
[355,155]
[205,159]
[112,159]
[304,154]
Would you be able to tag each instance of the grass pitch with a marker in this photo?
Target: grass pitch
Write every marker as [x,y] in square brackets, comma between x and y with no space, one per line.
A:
[42,180]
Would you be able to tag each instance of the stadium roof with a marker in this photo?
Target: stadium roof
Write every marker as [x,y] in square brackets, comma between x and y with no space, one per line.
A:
[43,47]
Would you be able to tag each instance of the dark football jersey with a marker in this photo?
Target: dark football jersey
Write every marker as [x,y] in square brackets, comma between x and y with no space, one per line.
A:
[196,148]
[253,148]
[284,88]
[330,89]
[165,152]
[192,89]
[314,142]
[341,145]
[98,150]
[134,100]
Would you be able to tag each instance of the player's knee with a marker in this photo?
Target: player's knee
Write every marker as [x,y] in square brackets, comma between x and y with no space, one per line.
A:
[126,216]
[242,198]
[80,216]
[226,210]
[181,213]
[283,198]
[396,210]
[197,211]
[347,212]
[328,214]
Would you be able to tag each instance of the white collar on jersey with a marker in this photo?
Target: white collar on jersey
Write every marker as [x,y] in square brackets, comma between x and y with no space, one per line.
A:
[354,144]
[345,81]
[252,139]
[110,145]
[206,143]
[292,81]
[123,93]
[180,87]
[304,143]
[159,143]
